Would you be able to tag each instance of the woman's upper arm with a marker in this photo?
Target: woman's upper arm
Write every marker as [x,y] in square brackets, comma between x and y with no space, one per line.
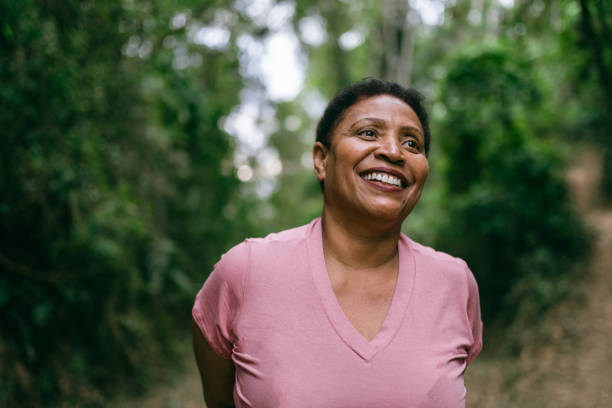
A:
[216,372]
[215,311]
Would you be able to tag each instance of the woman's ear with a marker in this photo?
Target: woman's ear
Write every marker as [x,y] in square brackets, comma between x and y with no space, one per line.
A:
[319,158]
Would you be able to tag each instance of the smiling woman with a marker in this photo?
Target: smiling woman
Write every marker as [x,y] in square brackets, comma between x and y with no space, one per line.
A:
[345,311]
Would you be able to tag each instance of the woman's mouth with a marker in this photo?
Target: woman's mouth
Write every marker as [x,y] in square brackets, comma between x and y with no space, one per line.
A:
[384,178]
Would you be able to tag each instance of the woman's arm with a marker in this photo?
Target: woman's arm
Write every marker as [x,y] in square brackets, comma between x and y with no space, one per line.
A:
[217,373]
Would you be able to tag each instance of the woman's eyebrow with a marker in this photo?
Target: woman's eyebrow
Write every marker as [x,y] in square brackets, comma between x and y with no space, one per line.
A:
[381,123]
[373,121]
[412,129]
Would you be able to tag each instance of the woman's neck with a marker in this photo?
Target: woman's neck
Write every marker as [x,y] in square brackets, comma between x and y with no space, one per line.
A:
[358,246]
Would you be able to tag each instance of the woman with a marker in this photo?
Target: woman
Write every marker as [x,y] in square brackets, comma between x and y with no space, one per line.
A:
[345,311]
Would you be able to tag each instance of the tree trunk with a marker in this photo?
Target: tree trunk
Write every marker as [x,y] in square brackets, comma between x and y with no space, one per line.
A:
[398,41]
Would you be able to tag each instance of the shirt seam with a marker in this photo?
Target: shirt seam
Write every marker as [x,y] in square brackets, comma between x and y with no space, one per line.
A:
[245,283]
[208,336]
[476,346]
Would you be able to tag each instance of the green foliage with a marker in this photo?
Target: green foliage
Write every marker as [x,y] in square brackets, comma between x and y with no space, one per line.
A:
[111,201]
[504,123]
[510,216]
[117,191]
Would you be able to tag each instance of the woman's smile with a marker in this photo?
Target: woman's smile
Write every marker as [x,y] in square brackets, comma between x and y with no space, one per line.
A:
[385,179]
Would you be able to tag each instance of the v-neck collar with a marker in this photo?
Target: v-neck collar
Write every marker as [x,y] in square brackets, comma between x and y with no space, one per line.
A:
[343,327]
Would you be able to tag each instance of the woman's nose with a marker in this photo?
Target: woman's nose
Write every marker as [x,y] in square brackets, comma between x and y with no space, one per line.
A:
[390,150]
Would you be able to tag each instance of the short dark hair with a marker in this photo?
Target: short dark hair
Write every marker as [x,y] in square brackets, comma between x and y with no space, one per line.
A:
[367,88]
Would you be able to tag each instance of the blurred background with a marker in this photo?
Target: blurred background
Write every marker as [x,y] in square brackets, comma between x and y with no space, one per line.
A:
[142,139]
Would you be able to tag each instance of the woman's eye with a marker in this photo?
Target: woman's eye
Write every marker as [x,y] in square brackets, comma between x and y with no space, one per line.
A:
[411,144]
[369,133]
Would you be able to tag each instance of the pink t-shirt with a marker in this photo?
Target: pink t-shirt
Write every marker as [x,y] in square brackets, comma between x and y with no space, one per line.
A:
[270,307]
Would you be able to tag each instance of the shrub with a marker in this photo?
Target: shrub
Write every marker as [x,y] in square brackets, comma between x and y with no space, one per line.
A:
[510,215]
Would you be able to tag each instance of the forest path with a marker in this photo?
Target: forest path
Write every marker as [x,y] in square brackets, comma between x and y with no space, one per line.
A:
[568,363]
[181,389]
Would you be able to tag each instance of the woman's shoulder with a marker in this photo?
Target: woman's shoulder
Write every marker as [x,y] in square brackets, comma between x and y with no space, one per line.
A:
[260,254]
[427,253]
[285,236]
[441,270]
[246,249]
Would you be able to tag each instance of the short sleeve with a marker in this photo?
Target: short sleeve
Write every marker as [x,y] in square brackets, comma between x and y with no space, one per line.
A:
[474,317]
[217,304]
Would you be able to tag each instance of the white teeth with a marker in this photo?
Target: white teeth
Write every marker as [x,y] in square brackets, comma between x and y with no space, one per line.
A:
[384,178]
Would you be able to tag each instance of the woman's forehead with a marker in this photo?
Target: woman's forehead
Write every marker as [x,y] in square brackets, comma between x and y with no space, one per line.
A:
[381,108]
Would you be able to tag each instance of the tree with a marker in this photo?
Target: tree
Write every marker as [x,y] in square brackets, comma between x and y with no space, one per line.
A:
[112,200]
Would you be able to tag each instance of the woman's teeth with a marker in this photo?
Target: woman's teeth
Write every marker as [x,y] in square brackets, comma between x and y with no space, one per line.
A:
[384,178]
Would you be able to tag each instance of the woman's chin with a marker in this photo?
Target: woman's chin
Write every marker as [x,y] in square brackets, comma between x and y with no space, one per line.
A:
[388,214]
[381,212]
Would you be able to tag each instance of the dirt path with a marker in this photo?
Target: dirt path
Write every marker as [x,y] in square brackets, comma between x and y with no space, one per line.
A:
[569,366]
[182,390]
[572,365]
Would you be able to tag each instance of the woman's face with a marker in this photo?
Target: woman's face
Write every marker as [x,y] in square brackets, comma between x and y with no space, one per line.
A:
[376,164]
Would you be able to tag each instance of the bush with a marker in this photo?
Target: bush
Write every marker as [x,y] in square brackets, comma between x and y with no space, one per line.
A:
[510,215]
